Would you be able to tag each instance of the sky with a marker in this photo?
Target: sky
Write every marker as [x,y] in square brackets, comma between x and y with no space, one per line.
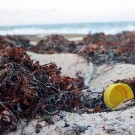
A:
[24,12]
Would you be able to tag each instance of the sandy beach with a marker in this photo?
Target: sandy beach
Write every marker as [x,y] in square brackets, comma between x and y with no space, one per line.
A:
[117,122]
[67,67]
[98,65]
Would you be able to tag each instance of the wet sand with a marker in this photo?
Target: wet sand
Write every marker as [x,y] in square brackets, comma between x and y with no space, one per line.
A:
[36,38]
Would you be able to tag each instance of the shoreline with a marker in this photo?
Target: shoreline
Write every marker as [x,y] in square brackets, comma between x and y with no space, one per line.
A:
[38,37]
[34,39]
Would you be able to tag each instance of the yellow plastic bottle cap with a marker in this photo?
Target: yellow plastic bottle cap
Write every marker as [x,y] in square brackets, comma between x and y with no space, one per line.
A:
[117,93]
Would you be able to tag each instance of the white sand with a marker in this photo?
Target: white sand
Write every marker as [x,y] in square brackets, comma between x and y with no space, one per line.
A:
[99,123]
[70,63]
[107,74]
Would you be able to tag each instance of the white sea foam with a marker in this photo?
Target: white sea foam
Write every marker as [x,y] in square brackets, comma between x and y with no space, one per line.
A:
[33,31]
[107,28]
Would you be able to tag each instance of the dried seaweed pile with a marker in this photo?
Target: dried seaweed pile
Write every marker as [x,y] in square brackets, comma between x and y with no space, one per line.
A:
[54,44]
[103,48]
[98,48]
[10,41]
[28,90]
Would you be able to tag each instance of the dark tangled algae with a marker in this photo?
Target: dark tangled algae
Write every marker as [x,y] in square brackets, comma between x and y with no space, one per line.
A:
[97,48]
[28,89]
[11,41]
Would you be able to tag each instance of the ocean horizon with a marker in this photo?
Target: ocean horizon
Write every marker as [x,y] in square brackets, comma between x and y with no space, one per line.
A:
[68,28]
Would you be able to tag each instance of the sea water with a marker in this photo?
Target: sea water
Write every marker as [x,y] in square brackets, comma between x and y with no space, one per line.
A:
[70,28]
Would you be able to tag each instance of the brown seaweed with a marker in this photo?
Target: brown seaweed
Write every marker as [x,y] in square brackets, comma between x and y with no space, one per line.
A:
[54,44]
[14,41]
[28,90]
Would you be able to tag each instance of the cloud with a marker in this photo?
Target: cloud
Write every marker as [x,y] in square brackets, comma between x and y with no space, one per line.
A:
[14,12]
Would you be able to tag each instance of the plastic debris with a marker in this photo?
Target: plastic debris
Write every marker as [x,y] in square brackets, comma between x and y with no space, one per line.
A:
[117,93]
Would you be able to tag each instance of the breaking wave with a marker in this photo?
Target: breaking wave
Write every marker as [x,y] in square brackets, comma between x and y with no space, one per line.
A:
[76,28]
